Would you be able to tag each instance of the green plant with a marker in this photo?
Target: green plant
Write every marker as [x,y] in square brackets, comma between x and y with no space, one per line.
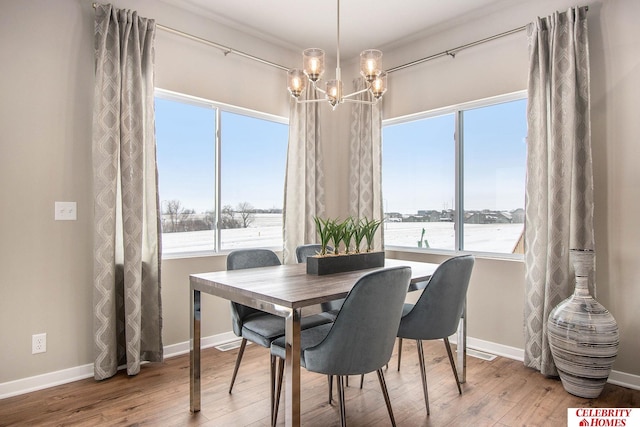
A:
[337,234]
[324,228]
[358,234]
[370,228]
[349,228]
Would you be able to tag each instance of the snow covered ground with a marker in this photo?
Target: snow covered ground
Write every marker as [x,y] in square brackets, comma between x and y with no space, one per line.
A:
[266,231]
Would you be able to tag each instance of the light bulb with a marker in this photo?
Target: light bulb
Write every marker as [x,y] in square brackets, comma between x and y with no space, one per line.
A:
[371,66]
[297,82]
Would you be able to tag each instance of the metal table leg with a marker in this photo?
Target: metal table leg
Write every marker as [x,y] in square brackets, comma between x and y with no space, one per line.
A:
[194,365]
[292,368]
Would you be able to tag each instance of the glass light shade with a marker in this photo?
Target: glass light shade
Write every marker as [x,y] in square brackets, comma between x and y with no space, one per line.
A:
[296,82]
[334,92]
[370,64]
[313,63]
[379,85]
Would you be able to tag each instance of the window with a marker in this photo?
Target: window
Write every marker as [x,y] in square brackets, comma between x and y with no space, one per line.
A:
[218,193]
[471,160]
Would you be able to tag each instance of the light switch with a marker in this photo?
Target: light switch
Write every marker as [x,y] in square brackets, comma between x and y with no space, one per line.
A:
[66,211]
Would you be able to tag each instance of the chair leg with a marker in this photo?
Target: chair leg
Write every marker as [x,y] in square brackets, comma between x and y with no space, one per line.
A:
[276,402]
[330,378]
[385,393]
[423,374]
[361,380]
[238,360]
[453,364]
[399,352]
[343,413]
[272,377]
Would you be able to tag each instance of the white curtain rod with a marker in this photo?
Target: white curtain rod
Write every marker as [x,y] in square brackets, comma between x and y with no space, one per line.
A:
[452,52]
[225,49]
[449,52]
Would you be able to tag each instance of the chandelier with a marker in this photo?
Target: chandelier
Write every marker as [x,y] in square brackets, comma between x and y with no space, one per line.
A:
[313,68]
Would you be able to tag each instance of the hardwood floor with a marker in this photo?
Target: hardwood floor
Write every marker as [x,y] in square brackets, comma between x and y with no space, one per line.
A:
[501,392]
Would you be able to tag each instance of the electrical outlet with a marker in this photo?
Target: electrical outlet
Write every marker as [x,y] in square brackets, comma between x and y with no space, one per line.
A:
[38,343]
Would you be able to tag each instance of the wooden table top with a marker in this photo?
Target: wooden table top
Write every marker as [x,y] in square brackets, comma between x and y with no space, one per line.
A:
[290,286]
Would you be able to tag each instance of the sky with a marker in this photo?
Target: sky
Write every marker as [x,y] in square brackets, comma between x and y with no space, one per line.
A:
[253,153]
[418,159]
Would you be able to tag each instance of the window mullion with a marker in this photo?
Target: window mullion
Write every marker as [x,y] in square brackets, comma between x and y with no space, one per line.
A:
[459,182]
[218,175]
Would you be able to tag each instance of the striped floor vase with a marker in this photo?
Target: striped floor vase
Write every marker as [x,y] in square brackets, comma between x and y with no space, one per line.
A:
[583,335]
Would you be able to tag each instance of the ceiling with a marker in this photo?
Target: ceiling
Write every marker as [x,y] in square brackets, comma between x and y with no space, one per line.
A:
[364,24]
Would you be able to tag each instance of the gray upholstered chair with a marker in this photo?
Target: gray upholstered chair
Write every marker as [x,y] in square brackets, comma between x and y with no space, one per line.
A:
[329,309]
[252,324]
[361,338]
[311,249]
[437,312]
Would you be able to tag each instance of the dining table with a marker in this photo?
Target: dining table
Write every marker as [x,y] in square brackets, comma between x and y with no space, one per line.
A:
[287,291]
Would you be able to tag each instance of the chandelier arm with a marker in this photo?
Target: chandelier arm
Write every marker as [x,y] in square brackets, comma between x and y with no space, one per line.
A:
[317,89]
[356,93]
[309,101]
[360,101]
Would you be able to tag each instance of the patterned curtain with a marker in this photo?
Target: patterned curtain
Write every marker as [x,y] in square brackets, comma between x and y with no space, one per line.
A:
[365,159]
[304,179]
[559,189]
[127,304]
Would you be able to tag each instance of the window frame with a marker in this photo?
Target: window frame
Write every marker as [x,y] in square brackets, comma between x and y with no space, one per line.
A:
[218,107]
[458,111]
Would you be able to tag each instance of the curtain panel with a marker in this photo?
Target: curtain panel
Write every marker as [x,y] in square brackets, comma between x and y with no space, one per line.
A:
[127,302]
[304,193]
[365,161]
[559,187]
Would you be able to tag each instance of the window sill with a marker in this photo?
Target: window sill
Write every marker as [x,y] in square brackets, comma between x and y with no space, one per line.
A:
[441,252]
[207,254]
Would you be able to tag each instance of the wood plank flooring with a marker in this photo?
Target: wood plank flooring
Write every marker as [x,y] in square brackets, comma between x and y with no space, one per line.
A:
[501,392]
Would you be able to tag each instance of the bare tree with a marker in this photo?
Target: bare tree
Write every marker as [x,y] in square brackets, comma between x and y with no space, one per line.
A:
[176,216]
[245,209]
[227,218]
[209,219]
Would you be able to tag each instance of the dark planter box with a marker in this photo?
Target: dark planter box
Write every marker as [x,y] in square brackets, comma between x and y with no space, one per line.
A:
[330,264]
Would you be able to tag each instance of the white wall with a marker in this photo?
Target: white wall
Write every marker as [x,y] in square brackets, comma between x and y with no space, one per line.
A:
[46,82]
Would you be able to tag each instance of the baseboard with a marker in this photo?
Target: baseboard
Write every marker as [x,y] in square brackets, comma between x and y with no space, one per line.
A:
[206,342]
[39,382]
[622,379]
[52,379]
[497,349]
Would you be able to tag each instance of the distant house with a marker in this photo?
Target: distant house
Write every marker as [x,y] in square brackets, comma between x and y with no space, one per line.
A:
[487,217]
[517,216]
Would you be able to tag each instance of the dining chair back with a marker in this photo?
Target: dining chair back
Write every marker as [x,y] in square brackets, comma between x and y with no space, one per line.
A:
[362,336]
[305,251]
[437,312]
[248,258]
[255,325]
[329,309]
